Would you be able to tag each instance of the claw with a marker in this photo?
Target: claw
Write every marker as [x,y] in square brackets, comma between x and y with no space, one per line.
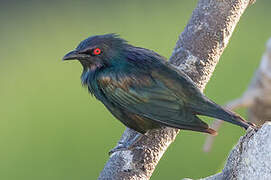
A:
[127,145]
[254,126]
[120,147]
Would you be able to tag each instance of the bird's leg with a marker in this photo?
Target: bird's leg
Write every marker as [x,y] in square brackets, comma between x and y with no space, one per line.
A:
[127,145]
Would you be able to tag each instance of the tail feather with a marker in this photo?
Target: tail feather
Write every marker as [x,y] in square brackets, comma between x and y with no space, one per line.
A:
[196,128]
[214,110]
[232,117]
[193,123]
[211,131]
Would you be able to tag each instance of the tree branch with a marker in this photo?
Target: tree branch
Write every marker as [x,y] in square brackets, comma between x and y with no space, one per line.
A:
[250,158]
[196,53]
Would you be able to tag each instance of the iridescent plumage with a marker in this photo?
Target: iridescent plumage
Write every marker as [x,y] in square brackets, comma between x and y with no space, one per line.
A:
[142,90]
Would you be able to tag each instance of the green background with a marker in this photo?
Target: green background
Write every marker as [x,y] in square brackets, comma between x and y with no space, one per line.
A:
[51,128]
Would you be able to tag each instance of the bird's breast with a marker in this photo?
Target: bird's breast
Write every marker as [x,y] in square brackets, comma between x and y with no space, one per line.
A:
[89,79]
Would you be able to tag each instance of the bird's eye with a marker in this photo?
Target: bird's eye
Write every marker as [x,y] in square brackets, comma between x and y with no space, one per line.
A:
[96,51]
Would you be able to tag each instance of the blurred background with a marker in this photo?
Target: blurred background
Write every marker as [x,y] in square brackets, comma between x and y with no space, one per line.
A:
[51,128]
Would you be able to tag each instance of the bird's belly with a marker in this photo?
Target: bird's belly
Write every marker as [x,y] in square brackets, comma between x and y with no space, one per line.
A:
[142,124]
[134,121]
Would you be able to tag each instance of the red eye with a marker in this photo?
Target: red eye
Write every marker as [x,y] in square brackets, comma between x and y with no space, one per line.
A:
[97,51]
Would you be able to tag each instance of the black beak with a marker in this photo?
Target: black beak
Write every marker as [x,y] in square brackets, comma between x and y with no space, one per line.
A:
[71,55]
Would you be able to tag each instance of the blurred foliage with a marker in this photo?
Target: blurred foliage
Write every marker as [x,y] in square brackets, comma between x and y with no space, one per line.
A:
[51,128]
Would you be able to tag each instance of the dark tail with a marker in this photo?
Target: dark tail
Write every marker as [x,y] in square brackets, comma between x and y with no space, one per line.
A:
[214,110]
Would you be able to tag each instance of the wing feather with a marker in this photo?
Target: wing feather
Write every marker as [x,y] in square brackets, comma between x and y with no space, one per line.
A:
[152,100]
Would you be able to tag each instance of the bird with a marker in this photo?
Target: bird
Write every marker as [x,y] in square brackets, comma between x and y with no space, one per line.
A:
[142,90]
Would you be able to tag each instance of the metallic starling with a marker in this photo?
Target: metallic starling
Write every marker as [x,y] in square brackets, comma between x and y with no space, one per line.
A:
[142,90]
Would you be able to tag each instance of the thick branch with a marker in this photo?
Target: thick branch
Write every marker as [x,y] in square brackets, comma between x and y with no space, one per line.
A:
[196,53]
[250,158]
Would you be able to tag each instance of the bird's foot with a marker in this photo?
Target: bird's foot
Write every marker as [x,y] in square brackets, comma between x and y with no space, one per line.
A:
[126,145]
[253,126]
[120,147]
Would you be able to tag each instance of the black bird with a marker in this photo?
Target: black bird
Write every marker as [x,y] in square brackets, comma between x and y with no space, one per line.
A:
[142,90]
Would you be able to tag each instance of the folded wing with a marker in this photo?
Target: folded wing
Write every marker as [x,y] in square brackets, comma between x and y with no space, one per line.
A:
[152,99]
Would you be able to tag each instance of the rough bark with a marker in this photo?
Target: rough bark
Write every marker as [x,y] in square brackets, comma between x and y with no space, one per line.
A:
[250,158]
[196,53]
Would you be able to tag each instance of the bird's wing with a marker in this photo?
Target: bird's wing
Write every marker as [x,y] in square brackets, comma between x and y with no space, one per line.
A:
[195,101]
[150,98]
[174,79]
[179,83]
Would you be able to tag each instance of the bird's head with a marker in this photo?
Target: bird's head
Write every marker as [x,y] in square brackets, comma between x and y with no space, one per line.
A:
[98,51]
